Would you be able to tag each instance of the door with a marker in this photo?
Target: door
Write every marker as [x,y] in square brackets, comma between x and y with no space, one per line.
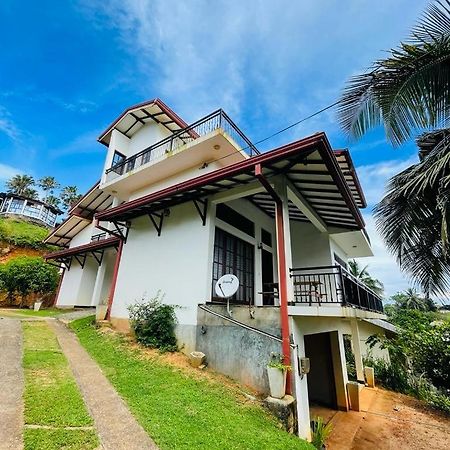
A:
[321,382]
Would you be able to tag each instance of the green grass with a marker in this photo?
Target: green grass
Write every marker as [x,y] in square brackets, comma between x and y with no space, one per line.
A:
[22,233]
[51,396]
[177,410]
[23,313]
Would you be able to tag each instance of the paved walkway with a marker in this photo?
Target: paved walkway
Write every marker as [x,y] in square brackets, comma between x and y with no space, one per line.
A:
[11,385]
[116,427]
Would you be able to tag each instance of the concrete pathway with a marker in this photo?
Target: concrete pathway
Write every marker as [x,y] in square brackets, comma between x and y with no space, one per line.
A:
[116,427]
[11,385]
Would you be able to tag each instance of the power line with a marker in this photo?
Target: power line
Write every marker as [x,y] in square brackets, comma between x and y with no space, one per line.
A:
[276,133]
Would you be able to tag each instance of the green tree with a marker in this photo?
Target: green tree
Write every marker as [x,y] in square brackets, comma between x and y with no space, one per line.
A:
[52,200]
[48,184]
[406,92]
[69,195]
[411,299]
[21,185]
[363,275]
[24,275]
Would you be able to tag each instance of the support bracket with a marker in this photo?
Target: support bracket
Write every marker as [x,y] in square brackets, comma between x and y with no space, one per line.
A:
[157,220]
[81,260]
[98,256]
[201,205]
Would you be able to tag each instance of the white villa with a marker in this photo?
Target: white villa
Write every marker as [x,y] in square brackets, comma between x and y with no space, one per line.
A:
[14,205]
[177,206]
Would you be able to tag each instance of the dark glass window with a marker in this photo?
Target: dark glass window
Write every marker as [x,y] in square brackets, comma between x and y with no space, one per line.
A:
[230,216]
[266,237]
[117,158]
[235,256]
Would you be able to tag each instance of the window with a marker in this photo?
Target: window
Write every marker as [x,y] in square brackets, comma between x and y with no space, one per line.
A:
[16,206]
[117,158]
[266,237]
[235,256]
[233,218]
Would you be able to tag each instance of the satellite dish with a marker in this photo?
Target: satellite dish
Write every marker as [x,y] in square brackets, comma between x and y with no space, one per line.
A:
[227,285]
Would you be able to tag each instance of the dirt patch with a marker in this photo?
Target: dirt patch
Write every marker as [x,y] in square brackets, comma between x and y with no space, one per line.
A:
[10,252]
[391,421]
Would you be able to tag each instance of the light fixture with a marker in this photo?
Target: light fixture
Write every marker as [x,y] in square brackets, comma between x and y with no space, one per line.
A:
[217,147]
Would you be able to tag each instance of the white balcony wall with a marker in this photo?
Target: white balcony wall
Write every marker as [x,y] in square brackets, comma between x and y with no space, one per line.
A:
[310,247]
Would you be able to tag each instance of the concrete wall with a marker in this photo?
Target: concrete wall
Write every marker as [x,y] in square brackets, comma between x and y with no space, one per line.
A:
[366,330]
[235,351]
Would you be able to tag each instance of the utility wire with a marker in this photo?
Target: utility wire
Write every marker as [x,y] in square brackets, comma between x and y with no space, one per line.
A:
[275,134]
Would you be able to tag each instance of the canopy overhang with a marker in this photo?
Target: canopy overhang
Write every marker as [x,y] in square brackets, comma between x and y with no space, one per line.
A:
[309,165]
[136,116]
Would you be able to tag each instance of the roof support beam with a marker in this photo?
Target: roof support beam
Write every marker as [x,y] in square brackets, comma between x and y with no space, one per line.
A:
[303,205]
[246,190]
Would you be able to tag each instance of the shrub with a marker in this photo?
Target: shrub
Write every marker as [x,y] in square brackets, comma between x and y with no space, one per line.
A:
[154,323]
[25,275]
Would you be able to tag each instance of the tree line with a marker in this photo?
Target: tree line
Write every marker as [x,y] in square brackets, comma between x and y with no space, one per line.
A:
[53,193]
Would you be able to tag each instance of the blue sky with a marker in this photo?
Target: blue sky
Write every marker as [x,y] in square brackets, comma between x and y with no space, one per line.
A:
[69,68]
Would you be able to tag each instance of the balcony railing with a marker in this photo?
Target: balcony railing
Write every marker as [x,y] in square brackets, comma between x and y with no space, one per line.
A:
[214,121]
[332,285]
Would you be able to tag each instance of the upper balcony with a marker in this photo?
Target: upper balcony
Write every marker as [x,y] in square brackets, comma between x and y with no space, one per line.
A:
[217,141]
[329,286]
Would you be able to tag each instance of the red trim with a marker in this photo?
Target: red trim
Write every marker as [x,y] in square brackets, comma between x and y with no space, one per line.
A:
[59,286]
[109,242]
[114,281]
[156,101]
[282,272]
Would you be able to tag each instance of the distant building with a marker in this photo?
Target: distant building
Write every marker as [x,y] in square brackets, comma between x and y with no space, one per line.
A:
[36,210]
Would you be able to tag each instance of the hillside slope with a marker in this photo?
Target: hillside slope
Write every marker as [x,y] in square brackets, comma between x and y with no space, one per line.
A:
[21,238]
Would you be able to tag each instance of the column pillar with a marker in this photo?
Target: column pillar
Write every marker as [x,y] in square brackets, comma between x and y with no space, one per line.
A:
[300,383]
[99,280]
[356,344]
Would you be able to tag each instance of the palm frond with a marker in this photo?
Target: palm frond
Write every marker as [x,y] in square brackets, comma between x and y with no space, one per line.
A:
[407,91]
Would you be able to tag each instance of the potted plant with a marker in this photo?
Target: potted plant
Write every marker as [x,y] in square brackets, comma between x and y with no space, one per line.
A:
[320,432]
[277,373]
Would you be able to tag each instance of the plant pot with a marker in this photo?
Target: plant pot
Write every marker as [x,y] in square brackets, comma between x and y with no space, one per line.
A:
[277,382]
[37,306]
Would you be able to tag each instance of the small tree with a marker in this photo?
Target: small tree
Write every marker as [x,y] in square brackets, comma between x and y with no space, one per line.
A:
[24,275]
[48,185]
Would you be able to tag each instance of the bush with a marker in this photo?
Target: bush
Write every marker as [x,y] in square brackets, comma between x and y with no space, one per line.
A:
[25,275]
[154,323]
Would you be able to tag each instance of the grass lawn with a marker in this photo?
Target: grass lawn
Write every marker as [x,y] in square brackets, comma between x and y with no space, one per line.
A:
[22,233]
[24,313]
[178,410]
[51,395]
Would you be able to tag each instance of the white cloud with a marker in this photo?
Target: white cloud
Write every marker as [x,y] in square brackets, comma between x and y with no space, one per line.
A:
[374,177]
[382,265]
[8,126]
[289,58]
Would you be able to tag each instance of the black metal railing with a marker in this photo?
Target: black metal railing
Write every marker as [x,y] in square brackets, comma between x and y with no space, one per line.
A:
[332,285]
[101,236]
[204,126]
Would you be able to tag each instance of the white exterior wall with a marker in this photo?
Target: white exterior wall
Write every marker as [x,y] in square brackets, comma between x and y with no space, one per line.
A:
[366,330]
[70,286]
[84,236]
[149,134]
[335,248]
[310,247]
[174,263]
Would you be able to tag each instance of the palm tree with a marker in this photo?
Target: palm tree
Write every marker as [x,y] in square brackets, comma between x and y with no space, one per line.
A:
[48,184]
[411,299]
[20,185]
[52,201]
[361,274]
[69,195]
[405,92]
